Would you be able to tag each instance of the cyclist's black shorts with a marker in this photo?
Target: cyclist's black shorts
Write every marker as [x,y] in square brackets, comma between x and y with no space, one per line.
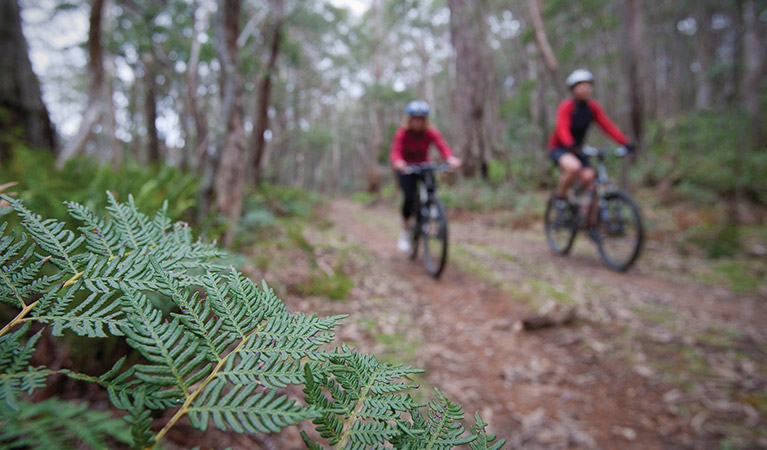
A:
[557,153]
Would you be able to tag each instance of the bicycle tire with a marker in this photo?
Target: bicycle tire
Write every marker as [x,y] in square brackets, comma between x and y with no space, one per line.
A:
[435,239]
[619,214]
[560,234]
[415,230]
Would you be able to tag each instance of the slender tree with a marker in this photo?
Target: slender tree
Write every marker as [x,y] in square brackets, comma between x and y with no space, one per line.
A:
[231,173]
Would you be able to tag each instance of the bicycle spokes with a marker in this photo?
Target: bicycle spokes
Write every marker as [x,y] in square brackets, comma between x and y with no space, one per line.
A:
[620,231]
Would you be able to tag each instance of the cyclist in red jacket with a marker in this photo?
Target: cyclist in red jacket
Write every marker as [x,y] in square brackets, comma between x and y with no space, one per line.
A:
[574,116]
[411,146]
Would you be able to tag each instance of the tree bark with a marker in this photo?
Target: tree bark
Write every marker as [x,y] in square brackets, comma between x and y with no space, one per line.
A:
[473,83]
[704,49]
[150,108]
[21,103]
[265,91]
[195,118]
[542,41]
[97,100]
[230,177]
[753,75]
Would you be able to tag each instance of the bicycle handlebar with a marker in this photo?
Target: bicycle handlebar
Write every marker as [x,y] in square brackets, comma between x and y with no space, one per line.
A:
[420,168]
[593,151]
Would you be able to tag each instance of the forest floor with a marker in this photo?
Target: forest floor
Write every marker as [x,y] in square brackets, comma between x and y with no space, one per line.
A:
[672,354]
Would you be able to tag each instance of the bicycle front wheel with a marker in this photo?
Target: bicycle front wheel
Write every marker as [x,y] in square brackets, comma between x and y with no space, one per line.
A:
[560,226]
[621,232]
[434,236]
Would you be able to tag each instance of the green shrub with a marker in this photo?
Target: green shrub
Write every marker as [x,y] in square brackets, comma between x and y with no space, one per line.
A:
[82,180]
[220,357]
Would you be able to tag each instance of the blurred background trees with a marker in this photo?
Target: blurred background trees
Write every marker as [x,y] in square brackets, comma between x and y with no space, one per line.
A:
[308,94]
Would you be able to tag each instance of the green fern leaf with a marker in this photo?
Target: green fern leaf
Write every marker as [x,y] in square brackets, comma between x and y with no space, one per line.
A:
[101,237]
[175,357]
[444,429]
[57,424]
[271,372]
[19,278]
[242,409]
[140,421]
[484,441]
[134,227]
[16,376]
[91,317]
[52,237]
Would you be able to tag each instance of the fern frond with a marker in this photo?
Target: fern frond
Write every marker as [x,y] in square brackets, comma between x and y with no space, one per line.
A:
[443,428]
[100,235]
[230,309]
[90,317]
[16,376]
[329,424]
[484,441]
[294,336]
[140,420]
[270,371]
[135,228]
[365,435]
[59,424]
[123,388]
[19,278]
[196,317]
[175,357]
[52,237]
[310,445]
[242,409]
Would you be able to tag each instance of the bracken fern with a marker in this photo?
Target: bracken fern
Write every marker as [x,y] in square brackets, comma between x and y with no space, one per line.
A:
[222,356]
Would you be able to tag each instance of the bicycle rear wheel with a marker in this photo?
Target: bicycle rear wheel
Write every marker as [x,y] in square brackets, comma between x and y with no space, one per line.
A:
[434,236]
[560,228]
[621,233]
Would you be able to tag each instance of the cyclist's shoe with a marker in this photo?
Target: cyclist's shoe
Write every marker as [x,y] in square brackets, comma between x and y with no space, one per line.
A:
[403,243]
[594,234]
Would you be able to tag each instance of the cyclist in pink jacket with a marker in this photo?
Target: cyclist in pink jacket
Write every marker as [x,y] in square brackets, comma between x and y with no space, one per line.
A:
[411,146]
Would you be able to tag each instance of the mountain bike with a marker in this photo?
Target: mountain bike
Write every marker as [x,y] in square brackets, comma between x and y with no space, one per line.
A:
[430,225]
[618,232]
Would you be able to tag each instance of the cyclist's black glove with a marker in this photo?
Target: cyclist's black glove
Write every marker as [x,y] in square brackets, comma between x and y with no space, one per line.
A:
[630,147]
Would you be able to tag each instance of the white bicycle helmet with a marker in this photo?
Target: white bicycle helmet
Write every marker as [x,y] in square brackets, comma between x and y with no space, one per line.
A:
[417,108]
[579,76]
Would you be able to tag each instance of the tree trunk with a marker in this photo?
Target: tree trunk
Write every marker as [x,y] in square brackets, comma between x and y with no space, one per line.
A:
[195,120]
[753,75]
[97,100]
[635,63]
[230,177]
[150,108]
[542,41]
[704,49]
[473,82]
[265,91]
[21,104]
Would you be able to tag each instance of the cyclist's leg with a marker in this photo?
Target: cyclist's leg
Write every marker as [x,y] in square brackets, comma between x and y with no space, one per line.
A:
[408,183]
[569,166]
[586,176]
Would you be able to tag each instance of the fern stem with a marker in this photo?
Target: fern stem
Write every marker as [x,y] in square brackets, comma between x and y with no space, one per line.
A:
[19,318]
[212,376]
[349,423]
[13,287]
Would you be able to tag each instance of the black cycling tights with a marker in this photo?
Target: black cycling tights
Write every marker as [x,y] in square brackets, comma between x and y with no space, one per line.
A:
[409,185]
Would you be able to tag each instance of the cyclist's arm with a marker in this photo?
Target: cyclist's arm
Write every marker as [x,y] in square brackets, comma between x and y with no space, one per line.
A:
[564,119]
[395,154]
[607,125]
[439,141]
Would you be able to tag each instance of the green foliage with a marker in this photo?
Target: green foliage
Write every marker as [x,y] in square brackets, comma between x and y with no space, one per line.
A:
[701,151]
[221,356]
[59,424]
[83,181]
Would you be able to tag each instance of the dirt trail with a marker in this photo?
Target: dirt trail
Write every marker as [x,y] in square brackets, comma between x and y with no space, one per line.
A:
[600,383]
